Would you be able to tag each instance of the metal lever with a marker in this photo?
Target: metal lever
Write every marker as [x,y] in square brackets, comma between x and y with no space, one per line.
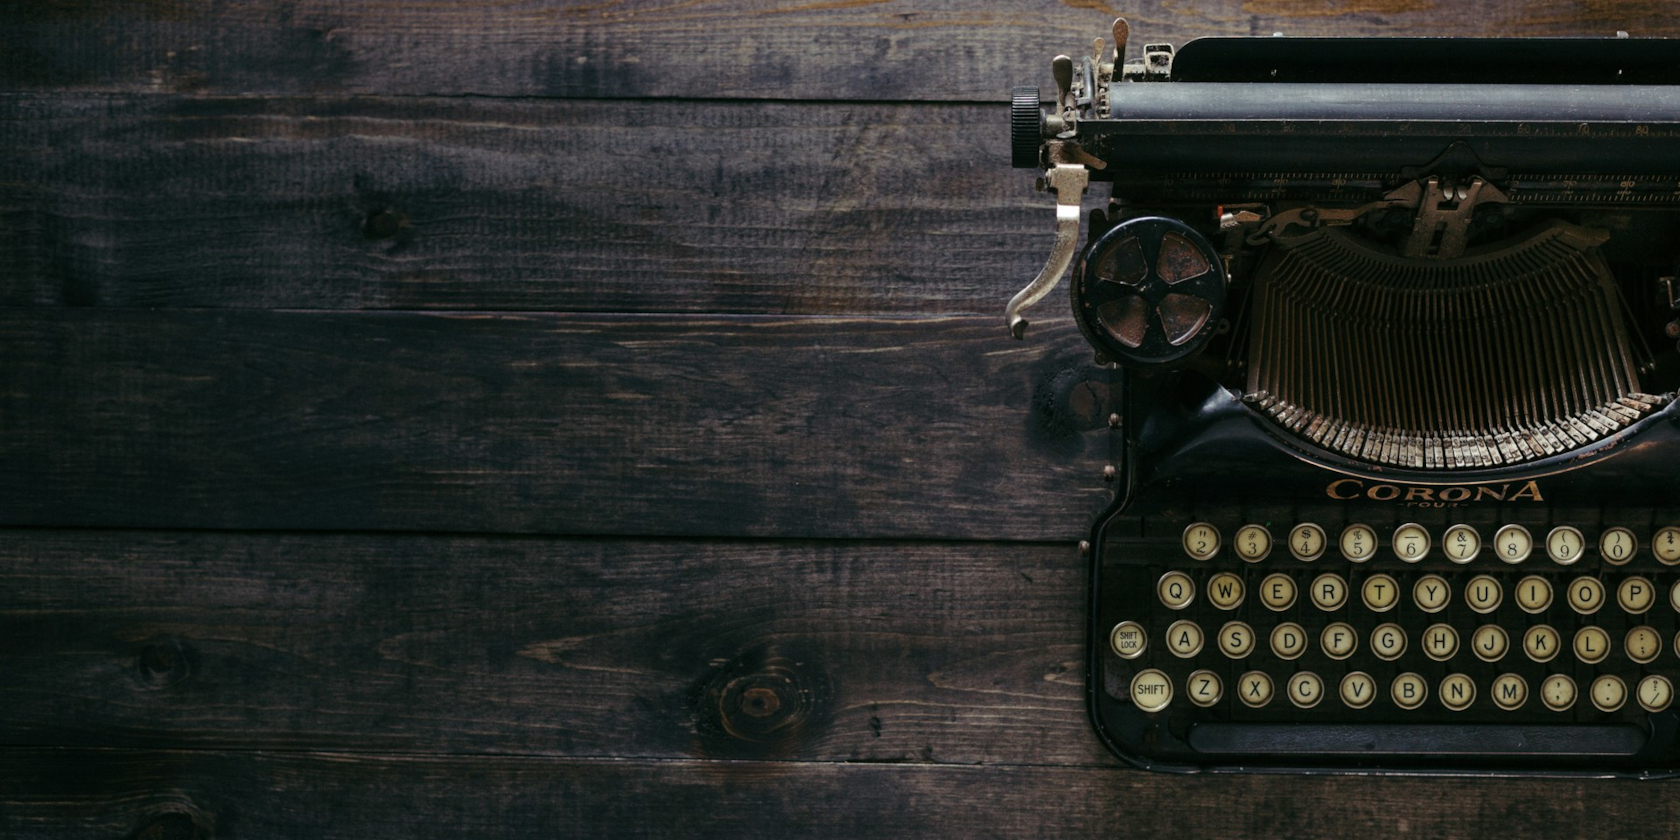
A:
[1068,181]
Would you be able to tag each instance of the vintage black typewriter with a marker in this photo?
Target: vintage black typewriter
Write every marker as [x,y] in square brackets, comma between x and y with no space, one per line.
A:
[1398,456]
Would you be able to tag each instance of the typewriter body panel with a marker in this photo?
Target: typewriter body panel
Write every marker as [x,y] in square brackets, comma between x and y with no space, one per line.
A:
[1398,452]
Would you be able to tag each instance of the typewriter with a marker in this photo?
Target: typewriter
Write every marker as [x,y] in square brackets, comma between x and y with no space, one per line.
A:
[1397,446]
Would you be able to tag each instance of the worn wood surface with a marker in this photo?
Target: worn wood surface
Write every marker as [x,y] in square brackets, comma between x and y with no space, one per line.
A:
[719,426]
[521,419]
[964,653]
[111,793]
[403,203]
[849,50]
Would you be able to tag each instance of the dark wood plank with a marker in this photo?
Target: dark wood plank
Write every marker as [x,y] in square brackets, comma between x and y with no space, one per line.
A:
[80,793]
[874,49]
[363,203]
[803,427]
[963,653]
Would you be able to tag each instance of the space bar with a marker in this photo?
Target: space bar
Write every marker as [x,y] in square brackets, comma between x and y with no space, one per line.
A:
[1414,739]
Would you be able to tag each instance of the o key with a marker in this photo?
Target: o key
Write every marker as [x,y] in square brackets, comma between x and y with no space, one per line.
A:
[1201,541]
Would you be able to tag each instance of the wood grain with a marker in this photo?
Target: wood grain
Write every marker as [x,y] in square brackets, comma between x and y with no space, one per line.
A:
[113,793]
[398,203]
[879,651]
[714,426]
[953,50]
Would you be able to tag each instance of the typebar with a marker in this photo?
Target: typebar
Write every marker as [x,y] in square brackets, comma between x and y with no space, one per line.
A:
[1415,739]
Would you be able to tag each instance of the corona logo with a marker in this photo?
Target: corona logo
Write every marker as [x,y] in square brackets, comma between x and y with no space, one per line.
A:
[1347,489]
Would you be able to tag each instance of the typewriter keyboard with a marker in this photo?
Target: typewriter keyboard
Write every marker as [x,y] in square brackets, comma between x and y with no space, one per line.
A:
[1396,624]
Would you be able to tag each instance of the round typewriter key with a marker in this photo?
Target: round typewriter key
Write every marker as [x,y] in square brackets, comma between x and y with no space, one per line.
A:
[1431,593]
[1512,544]
[1461,544]
[1458,692]
[1534,594]
[1558,692]
[1305,689]
[1541,643]
[1128,640]
[1306,542]
[1674,595]
[1608,693]
[1483,593]
[1411,542]
[1339,640]
[1201,541]
[1617,546]
[1655,693]
[1635,595]
[1225,590]
[1408,691]
[1586,595]
[1359,543]
[1666,545]
[1358,690]
[1184,639]
[1176,589]
[1565,545]
[1642,644]
[1388,641]
[1277,592]
[1204,688]
[1288,640]
[1329,591]
[1509,692]
[1592,644]
[1236,639]
[1380,593]
[1255,689]
[1151,690]
[1489,642]
[1253,543]
[1440,642]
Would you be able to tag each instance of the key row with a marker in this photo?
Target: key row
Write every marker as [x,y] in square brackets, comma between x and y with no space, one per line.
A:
[1430,593]
[1440,642]
[1152,690]
[1513,544]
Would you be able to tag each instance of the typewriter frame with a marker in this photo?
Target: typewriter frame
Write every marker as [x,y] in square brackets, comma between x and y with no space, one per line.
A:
[1086,135]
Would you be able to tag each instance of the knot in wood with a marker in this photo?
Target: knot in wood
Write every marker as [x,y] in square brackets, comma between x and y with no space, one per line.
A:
[763,703]
[165,662]
[171,826]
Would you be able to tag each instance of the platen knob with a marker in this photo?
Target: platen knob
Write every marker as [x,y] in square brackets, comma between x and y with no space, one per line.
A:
[1149,291]
[1026,128]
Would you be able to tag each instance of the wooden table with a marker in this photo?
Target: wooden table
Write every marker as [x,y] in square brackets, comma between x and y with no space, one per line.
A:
[527,419]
